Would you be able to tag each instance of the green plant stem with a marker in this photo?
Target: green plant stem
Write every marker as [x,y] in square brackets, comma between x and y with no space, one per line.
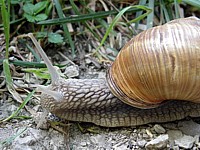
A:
[6,23]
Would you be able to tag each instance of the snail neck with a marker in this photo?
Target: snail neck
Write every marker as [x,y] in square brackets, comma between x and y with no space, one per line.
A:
[78,94]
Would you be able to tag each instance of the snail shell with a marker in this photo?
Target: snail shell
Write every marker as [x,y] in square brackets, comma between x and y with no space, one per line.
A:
[159,64]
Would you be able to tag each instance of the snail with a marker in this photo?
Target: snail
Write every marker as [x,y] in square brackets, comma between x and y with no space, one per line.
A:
[155,78]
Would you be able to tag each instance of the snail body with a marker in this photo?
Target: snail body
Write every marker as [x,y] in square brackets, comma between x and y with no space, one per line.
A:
[158,64]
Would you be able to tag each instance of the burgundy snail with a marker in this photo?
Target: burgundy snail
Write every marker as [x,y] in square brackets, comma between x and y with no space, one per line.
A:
[155,78]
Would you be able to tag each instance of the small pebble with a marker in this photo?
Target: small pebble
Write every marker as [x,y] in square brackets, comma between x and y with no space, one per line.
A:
[149,133]
[159,129]
[196,138]
[83,144]
[141,143]
[175,147]
[185,142]
[189,127]
[158,143]
[72,71]
[173,135]
[194,148]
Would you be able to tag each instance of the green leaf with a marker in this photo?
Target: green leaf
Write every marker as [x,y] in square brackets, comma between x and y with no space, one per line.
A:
[6,71]
[30,18]
[38,7]
[40,17]
[41,73]
[52,37]
[41,35]
[29,9]
[55,38]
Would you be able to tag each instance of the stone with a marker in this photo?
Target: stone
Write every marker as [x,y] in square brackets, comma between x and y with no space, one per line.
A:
[159,129]
[101,75]
[158,143]
[28,139]
[72,71]
[175,147]
[141,143]
[185,142]
[189,127]
[149,133]
[83,144]
[173,135]
[194,148]
[196,138]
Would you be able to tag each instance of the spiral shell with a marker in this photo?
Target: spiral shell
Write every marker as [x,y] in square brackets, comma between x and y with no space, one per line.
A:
[159,64]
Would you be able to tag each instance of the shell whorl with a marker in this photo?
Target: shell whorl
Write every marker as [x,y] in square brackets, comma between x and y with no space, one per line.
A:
[161,63]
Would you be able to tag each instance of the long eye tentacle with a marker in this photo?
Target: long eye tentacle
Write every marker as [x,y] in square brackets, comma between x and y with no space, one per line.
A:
[53,72]
[57,95]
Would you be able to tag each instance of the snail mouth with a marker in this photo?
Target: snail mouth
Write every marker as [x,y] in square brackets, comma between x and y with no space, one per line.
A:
[49,92]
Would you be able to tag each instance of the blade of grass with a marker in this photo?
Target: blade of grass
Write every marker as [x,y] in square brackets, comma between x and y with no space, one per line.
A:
[148,11]
[151,15]
[164,9]
[25,63]
[67,35]
[37,57]
[11,138]
[20,107]
[161,15]
[195,3]
[170,11]
[29,64]
[138,13]
[6,22]
[84,17]
[176,6]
